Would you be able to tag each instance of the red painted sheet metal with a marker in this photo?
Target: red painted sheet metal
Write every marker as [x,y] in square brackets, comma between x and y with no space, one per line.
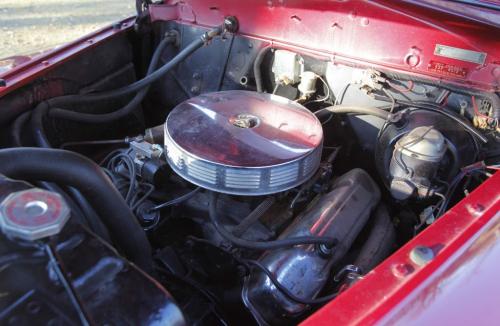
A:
[472,274]
[401,292]
[41,64]
[383,34]
[386,34]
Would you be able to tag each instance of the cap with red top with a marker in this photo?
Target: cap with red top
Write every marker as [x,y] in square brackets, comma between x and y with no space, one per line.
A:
[33,214]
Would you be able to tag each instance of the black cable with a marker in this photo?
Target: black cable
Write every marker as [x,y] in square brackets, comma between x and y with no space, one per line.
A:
[177,200]
[261,245]
[121,169]
[106,159]
[37,256]
[254,216]
[340,98]
[364,110]
[113,165]
[475,167]
[436,108]
[70,291]
[287,292]
[136,202]
[449,193]
[256,67]
[93,142]
[393,100]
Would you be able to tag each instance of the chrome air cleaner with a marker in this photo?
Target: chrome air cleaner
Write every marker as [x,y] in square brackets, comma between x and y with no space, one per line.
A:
[243,143]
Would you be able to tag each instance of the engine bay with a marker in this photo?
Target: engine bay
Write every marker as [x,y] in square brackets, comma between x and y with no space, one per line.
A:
[260,182]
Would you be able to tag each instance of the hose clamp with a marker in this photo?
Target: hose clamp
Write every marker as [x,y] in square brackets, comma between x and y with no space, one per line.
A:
[230,25]
[346,270]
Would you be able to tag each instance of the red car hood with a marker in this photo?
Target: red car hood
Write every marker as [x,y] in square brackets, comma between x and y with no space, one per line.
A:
[407,36]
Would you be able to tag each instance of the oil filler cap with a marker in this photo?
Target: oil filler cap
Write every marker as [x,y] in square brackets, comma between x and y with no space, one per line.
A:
[33,214]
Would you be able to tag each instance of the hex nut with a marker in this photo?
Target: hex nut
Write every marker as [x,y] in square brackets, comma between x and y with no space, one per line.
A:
[33,214]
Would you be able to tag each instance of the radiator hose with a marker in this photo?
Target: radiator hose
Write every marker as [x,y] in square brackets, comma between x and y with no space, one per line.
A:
[72,169]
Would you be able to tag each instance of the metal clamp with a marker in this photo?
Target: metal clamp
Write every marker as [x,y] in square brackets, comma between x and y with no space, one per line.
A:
[347,270]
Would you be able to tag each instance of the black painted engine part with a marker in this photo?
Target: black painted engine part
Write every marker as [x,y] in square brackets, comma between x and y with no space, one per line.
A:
[304,270]
[74,277]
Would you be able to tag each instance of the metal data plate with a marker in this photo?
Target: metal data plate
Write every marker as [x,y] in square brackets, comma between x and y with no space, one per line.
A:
[460,54]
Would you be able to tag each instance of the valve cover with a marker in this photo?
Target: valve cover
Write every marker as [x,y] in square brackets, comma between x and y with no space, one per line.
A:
[243,143]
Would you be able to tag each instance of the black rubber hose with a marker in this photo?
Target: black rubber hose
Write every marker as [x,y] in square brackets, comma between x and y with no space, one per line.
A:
[155,135]
[43,108]
[37,125]
[138,85]
[361,110]
[76,212]
[256,68]
[54,103]
[78,203]
[16,129]
[283,289]
[93,219]
[253,217]
[80,208]
[125,110]
[261,245]
[75,170]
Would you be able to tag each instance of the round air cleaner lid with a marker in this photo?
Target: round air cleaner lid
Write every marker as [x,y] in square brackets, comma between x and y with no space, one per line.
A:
[242,142]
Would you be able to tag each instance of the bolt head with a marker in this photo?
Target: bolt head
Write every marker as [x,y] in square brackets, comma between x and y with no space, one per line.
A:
[421,255]
[402,270]
[231,24]
[157,150]
[463,104]
[33,214]
[412,60]
[475,208]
